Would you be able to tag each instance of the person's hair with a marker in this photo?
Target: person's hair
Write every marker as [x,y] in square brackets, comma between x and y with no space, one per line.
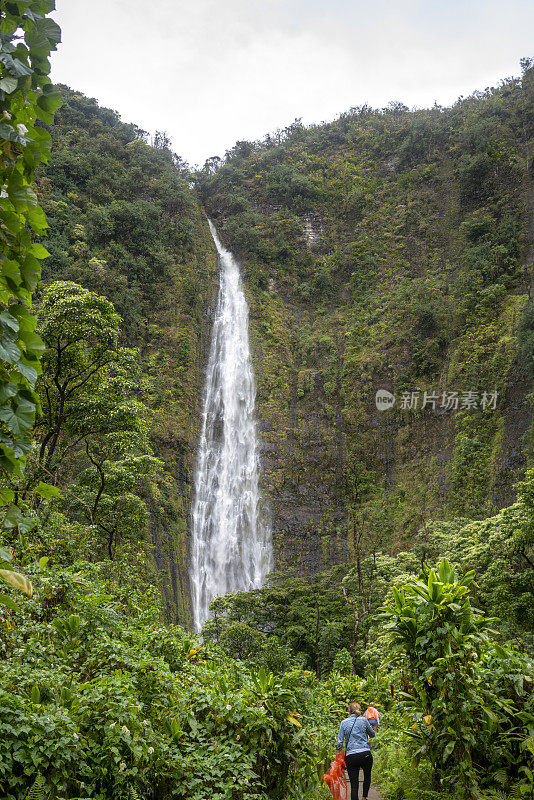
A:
[354,708]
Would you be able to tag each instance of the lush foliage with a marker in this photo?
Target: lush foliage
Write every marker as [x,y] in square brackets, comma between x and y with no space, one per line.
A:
[388,248]
[102,701]
[27,36]
[393,249]
[460,703]
[299,619]
[313,618]
[473,698]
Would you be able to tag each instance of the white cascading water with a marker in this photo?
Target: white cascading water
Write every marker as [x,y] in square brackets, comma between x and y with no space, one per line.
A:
[231,547]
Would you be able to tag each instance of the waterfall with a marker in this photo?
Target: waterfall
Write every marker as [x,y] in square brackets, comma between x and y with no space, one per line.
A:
[231,546]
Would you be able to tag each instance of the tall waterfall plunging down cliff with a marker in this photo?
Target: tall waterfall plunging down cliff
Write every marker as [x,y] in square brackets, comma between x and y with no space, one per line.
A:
[231,547]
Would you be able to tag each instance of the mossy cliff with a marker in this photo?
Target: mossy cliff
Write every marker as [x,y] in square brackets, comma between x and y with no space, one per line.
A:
[387,250]
[125,222]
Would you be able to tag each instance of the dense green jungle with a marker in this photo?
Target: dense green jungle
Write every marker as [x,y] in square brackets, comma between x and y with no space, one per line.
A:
[388,251]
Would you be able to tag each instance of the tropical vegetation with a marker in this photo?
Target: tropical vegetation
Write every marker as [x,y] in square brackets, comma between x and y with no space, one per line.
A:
[388,249]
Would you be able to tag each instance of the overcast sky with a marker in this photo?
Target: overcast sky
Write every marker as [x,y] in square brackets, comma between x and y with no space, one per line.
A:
[210,72]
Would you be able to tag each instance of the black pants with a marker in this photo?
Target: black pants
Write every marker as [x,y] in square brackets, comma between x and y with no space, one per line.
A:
[354,761]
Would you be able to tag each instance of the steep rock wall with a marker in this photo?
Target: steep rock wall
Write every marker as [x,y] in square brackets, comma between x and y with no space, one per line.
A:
[387,250]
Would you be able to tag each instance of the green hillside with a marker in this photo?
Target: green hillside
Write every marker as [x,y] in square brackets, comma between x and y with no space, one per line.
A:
[393,250]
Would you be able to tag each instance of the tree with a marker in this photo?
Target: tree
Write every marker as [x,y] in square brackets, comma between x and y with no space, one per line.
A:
[241,641]
[113,430]
[457,682]
[302,615]
[212,164]
[92,430]
[81,331]
[367,530]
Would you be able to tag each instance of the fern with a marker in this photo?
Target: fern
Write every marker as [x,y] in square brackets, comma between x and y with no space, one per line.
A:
[134,795]
[501,777]
[37,791]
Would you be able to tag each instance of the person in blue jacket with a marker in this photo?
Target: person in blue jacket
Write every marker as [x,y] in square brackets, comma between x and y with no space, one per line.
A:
[355,732]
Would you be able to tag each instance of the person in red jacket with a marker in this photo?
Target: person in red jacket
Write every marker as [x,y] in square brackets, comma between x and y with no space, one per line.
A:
[373,716]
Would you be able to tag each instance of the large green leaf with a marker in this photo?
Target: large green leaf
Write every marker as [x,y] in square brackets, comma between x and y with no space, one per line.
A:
[49,101]
[9,351]
[29,372]
[32,342]
[446,574]
[7,390]
[7,132]
[11,518]
[7,320]
[11,221]
[36,218]
[46,491]
[22,197]
[26,320]
[14,66]
[5,600]
[38,250]
[31,271]
[18,420]
[8,84]
[8,461]
[447,750]
[49,29]
[17,580]
[11,272]
[15,518]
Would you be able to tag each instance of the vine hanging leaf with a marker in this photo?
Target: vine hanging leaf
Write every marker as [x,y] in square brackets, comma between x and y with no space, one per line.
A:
[27,38]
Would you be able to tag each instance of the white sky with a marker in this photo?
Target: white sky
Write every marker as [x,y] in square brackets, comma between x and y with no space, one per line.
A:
[210,72]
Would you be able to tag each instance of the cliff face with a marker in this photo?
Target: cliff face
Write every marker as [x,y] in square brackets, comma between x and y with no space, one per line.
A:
[387,250]
[125,222]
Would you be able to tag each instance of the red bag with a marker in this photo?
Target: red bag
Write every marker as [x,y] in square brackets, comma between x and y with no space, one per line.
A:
[335,777]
